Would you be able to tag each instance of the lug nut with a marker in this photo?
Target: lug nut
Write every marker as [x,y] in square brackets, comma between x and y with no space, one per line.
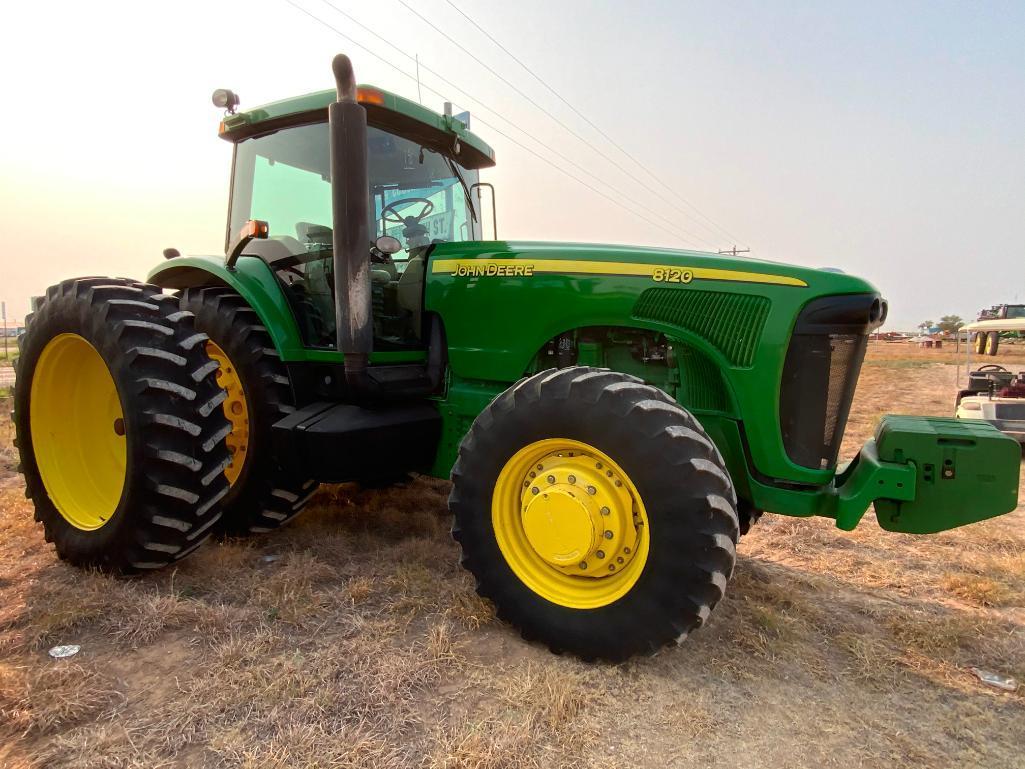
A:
[572,479]
[611,567]
[551,479]
[608,473]
[600,554]
[605,511]
[583,564]
[619,560]
[619,482]
[598,465]
[592,490]
[626,550]
[608,535]
[533,474]
[526,484]
[540,467]
[534,490]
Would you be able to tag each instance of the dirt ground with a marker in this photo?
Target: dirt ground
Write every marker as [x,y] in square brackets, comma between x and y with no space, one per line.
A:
[353,639]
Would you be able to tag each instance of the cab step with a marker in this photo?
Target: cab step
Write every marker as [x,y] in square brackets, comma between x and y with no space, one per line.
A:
[338,442]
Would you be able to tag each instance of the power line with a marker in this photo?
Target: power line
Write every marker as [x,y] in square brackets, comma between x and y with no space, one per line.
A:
[676,228]
[538,78]
[590,145]
[675,233]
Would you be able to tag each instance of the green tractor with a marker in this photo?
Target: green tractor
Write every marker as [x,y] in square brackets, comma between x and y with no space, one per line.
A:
[612,418]
[988,342]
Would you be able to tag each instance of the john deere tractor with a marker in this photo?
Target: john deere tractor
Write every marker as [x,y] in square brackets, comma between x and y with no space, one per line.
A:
[612,418]
[988,342]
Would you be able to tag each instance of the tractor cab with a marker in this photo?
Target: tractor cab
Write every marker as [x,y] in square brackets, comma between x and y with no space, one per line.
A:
[423,189]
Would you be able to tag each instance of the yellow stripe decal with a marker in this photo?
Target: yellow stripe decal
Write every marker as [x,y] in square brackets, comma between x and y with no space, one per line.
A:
[504,267]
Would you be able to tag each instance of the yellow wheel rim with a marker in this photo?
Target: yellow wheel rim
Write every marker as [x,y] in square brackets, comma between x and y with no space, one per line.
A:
[235,409]
[570,523]
[78,431]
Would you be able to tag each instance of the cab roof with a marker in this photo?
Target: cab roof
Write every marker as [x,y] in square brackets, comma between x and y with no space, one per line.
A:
[384,110]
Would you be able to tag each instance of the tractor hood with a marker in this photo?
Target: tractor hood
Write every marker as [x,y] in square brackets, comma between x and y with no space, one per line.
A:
[660,265]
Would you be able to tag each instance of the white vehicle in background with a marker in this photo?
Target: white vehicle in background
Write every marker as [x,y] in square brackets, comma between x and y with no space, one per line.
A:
[993,393]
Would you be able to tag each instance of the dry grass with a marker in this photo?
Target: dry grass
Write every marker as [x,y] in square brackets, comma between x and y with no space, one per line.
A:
[353,639]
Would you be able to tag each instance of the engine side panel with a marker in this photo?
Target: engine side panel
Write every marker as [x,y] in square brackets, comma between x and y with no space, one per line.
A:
[503,302]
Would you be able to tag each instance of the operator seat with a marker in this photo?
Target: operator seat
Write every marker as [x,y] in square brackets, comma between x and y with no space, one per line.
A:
[411,290]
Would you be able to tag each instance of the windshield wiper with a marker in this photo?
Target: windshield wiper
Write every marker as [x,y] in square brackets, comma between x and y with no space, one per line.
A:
[462,182]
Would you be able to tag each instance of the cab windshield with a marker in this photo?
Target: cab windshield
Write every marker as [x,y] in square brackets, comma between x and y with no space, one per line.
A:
[417,195]
[284,179]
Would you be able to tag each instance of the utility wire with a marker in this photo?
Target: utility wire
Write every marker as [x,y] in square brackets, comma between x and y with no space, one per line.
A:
[722,230]
[673,232]
[674,225]
[589,144]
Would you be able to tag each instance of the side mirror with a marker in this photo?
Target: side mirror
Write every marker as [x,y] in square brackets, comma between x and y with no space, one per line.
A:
[386,244]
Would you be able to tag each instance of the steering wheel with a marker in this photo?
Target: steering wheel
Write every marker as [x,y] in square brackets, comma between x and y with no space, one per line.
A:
[992,367]
[397,218]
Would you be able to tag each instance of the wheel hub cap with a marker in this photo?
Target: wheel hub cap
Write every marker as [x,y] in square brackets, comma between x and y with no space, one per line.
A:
[578,515]
[570,523]
[561,527]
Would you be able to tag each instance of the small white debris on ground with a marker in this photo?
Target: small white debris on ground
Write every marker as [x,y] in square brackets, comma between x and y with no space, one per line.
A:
[60,652]
[1006,683]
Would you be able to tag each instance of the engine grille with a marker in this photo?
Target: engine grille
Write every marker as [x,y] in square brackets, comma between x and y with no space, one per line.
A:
[820,373]
[815,395]
[731,322]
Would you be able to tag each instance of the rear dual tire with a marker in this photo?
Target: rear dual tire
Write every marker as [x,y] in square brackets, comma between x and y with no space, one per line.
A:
[992,342]
[264,495]
[119,425]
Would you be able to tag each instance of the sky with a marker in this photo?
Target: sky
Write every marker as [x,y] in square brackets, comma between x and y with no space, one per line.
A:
[884,139]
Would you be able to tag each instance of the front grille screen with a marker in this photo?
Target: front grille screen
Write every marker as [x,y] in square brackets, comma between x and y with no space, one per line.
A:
[819,377]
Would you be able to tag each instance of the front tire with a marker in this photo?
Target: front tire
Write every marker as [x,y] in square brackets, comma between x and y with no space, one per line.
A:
[119,427]
[553,479]
[264,495]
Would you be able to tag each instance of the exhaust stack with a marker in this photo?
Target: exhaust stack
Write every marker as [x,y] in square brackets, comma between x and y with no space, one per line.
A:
[350,194]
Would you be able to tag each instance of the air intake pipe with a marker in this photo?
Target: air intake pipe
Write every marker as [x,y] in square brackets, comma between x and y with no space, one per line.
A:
[350,196]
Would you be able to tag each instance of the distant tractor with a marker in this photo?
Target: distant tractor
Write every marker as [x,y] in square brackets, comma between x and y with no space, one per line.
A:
[612,418]
[988,342]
